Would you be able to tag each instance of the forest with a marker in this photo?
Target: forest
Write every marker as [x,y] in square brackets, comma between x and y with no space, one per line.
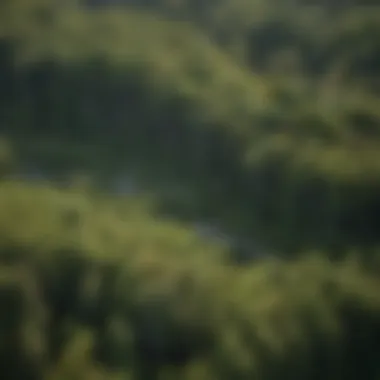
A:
[259,116]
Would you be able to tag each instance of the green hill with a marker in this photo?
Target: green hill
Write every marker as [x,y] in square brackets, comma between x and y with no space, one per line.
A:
[96,287]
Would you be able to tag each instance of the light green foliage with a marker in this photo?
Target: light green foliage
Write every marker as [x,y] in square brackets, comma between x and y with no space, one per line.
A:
[298,112]
[103,277]
[265,114]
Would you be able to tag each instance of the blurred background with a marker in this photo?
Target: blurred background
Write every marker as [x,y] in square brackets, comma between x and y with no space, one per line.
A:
[189,189]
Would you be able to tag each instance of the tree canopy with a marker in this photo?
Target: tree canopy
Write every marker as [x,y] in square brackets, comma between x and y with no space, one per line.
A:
[266,113]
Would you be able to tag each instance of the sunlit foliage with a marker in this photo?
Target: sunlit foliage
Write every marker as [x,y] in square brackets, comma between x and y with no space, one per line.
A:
[99,292]
[266,112]
[288,132]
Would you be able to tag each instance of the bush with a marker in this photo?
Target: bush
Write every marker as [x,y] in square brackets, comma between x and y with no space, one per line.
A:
[157,302]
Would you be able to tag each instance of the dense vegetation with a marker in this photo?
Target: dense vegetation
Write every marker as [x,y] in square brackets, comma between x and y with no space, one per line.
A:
[288,130]
[95,288]
[267,111]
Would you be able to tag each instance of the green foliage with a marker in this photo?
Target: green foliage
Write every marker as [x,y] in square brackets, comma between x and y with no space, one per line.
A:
[93,290]
[267,113]
[163,94]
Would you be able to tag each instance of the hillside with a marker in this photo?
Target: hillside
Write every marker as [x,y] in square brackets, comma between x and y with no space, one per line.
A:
[259,117]
[295,146]
[98,288]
